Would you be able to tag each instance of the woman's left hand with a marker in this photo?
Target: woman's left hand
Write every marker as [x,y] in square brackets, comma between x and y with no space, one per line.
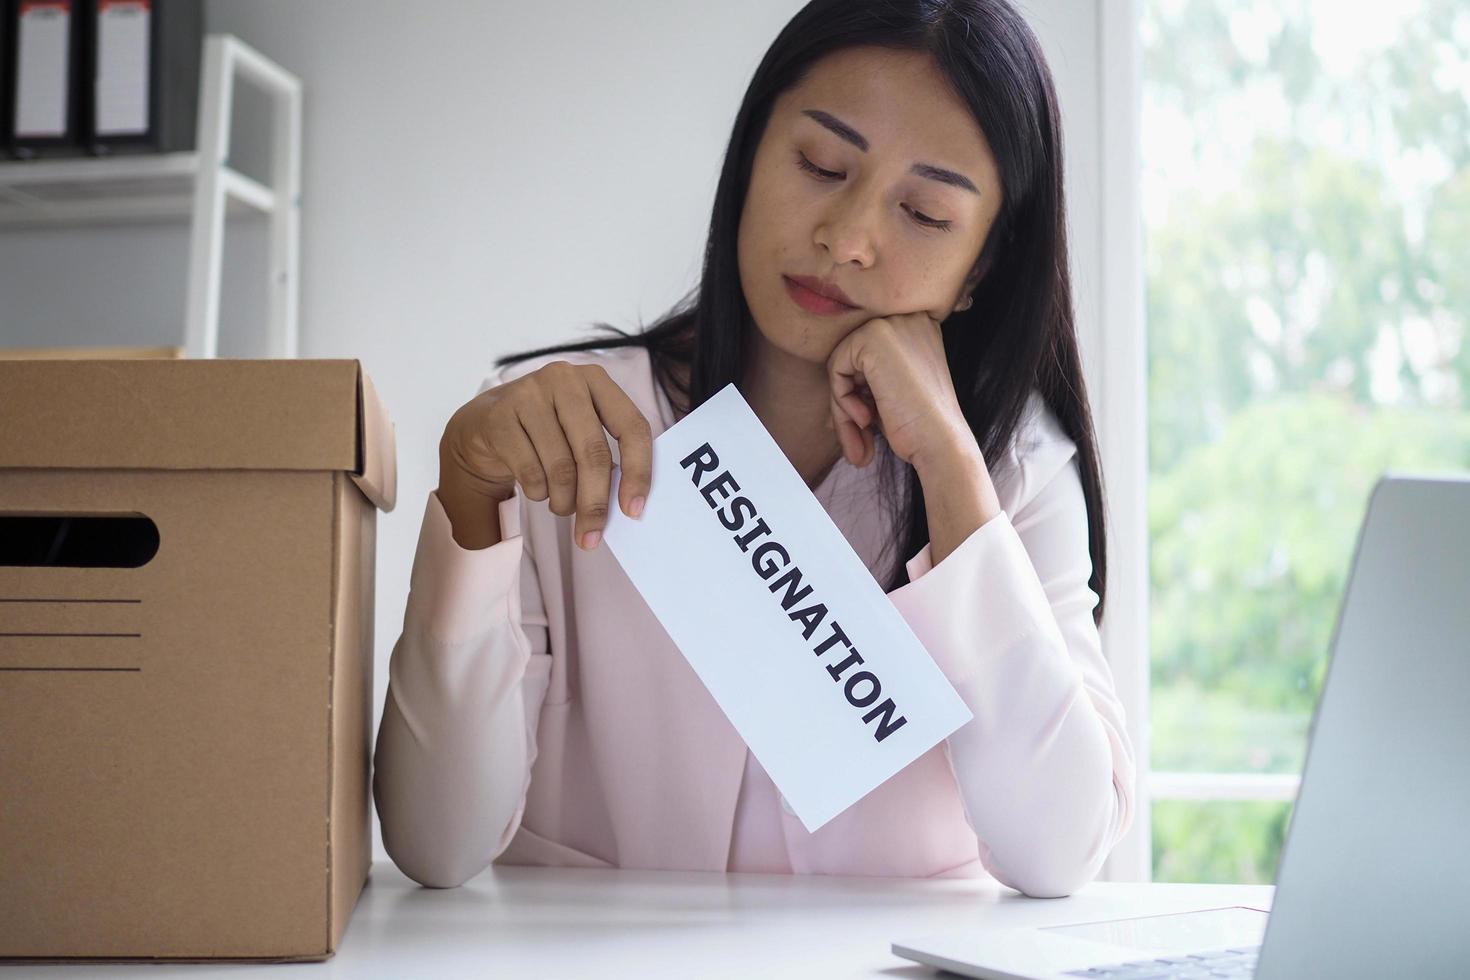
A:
[890,376]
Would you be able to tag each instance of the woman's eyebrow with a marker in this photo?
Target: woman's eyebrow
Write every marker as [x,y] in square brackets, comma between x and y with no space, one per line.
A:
[858,140]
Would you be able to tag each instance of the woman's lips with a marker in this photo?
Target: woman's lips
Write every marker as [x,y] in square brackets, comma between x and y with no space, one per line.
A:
[813,302]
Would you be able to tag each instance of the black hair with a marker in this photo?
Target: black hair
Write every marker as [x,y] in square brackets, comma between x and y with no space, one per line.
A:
[1019,334]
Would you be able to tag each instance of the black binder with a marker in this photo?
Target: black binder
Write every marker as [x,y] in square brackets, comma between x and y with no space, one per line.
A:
[4,78]
[141,81]
[43,104]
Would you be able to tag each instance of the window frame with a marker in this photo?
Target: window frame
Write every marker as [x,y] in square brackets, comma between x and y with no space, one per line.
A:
[1120,404]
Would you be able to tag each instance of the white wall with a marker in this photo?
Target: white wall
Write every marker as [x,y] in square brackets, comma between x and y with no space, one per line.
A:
[480,178]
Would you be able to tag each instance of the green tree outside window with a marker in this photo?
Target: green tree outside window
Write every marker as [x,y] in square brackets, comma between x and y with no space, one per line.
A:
[1306,189]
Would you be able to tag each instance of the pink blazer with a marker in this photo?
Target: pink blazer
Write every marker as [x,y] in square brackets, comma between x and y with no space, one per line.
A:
[537,713]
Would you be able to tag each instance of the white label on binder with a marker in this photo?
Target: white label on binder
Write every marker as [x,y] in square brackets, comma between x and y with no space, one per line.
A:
[42,51]
[787,628]
[122,67]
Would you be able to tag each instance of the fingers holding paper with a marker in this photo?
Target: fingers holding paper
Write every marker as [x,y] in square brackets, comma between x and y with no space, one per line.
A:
[545,432]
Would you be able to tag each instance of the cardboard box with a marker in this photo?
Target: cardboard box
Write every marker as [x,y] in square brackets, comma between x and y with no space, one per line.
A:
[186,663]
[58,353]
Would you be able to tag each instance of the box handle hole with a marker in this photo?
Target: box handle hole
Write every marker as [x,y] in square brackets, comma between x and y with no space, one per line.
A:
[77,540]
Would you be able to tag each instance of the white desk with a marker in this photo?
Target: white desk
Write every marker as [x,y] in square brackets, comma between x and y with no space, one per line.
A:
[564,922]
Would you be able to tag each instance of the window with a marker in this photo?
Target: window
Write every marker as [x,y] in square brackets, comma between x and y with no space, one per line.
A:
[1306,199]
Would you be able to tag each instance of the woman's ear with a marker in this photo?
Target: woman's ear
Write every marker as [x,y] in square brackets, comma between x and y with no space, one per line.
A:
[978,271]
[982,265]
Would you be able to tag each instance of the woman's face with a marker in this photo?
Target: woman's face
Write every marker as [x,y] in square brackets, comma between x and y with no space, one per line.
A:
[879,121]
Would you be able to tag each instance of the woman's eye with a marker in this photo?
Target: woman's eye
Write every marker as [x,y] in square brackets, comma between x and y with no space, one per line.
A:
[923,219]
[806,164]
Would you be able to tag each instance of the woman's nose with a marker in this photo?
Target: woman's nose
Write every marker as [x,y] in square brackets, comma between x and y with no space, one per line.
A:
[850,231]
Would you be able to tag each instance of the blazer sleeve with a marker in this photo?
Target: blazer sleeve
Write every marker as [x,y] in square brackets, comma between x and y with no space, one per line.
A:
[466,681]
[1045,769]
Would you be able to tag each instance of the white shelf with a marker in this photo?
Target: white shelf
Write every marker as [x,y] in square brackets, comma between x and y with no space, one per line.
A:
[101,190]
[198,186]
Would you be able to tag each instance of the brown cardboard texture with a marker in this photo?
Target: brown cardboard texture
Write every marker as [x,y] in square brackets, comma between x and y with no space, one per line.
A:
[103,353]
[186,627]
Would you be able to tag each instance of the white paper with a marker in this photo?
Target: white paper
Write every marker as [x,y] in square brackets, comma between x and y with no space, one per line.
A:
[122,67]
[43,40]
[824,744]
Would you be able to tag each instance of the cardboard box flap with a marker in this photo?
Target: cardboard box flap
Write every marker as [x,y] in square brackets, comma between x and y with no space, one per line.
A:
[198,414]
[377,476]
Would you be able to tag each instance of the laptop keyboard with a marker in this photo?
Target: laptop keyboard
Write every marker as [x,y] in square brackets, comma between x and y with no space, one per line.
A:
[1237,961]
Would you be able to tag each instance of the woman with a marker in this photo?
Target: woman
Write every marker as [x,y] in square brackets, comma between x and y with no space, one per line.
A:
[904,158]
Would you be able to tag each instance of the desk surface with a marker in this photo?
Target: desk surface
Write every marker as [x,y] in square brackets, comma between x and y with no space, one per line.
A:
[556,922]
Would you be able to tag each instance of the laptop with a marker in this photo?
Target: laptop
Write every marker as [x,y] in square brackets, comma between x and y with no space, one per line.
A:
[1374,875]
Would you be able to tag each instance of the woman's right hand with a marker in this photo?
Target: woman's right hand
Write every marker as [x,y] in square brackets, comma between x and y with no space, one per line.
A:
[544,430]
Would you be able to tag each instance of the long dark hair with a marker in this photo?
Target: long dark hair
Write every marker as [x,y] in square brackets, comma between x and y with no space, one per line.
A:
[1019,333]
